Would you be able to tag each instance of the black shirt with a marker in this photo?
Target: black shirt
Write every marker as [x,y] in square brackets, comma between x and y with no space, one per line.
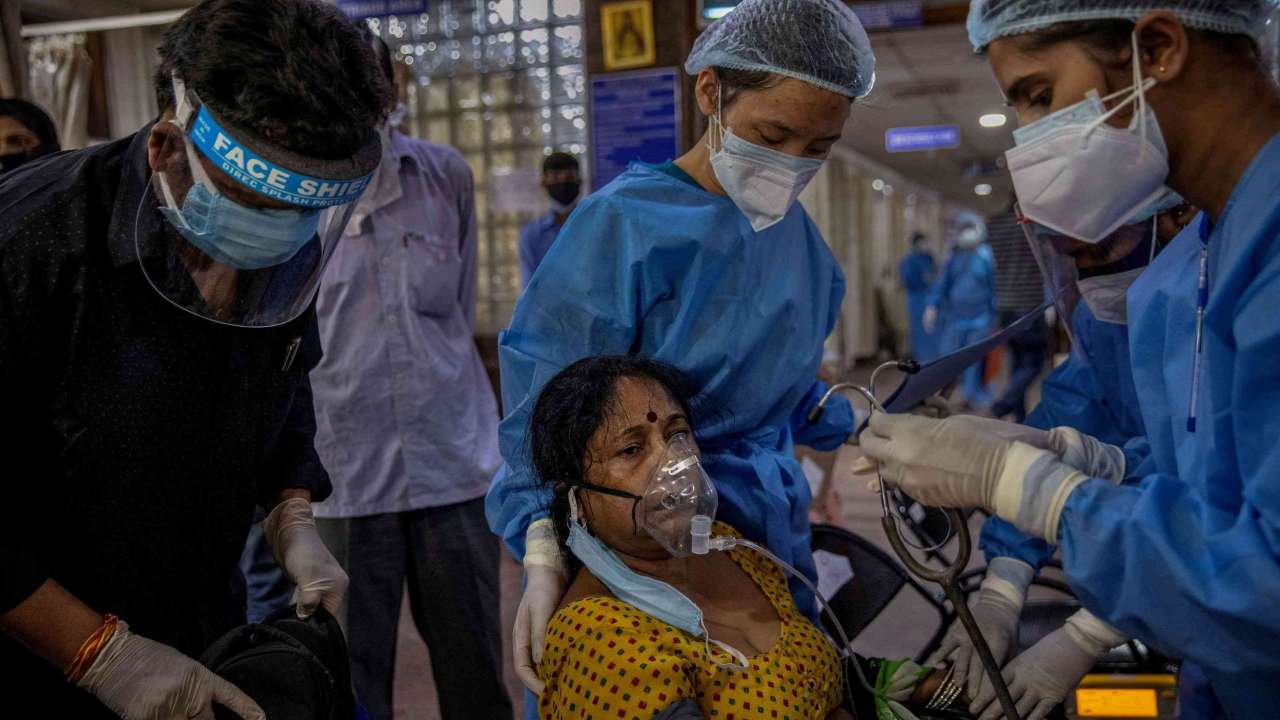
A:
[136,438]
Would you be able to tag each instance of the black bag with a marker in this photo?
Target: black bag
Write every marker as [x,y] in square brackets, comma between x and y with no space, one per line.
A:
[295,669]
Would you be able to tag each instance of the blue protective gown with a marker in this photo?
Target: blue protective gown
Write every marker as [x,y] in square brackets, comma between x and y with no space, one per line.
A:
[1093,392]
[917,271]
[654,265]
[966,300]
[1189,560]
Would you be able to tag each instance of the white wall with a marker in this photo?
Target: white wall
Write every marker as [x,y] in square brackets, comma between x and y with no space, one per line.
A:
[869,232]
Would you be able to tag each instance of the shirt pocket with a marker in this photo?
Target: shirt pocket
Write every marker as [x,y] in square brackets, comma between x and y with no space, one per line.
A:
[431,272]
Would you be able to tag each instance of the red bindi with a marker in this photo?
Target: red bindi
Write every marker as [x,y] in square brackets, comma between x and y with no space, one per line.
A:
[652,417]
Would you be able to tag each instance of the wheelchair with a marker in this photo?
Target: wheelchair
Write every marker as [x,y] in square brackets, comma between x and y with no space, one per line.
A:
[878,578]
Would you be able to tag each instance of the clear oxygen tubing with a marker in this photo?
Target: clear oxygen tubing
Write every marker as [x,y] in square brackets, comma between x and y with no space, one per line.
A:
[703,543]
[949,577]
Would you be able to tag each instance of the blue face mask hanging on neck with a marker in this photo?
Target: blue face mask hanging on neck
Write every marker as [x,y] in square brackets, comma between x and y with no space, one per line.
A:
[648,595]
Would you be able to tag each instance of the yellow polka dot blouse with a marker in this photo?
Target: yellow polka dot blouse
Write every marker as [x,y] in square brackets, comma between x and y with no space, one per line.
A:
[604,658]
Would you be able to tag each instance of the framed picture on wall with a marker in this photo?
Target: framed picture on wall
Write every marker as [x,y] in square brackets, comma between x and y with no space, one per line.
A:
[627,31]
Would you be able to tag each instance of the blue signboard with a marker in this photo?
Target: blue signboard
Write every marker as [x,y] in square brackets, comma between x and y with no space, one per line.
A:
[635,116]
[930,137]
[361,9]
[890,14]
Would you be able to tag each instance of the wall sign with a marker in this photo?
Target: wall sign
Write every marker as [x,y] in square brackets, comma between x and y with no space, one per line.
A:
[361,9]
[635,116]
[929,137]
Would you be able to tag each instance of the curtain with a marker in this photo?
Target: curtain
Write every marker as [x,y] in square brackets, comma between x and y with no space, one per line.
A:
[59,71]
[13,65]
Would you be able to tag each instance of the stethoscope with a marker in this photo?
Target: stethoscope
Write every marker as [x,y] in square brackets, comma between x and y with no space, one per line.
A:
[949,576]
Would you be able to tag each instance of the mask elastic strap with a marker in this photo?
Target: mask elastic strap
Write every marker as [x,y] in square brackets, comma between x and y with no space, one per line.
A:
[1139,95]
[1155,237]
[1142,94]
[741,663]
[717,122]
[1137,91]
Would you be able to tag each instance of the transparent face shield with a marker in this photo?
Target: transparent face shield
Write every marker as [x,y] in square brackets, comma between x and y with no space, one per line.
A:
[235,230]
[1070,266]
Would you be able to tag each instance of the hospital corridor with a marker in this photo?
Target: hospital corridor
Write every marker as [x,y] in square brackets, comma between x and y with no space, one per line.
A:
[640,359]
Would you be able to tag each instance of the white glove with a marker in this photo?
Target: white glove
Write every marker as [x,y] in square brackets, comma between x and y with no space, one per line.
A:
[290,530]
[1040,678]
[956,463]
[929,321]
[140,679]
[545,580]
[1004,589]
[1087,454]
[1083,452]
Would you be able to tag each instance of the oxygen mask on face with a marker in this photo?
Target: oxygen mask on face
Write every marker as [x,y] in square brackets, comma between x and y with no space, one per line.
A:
[679,499]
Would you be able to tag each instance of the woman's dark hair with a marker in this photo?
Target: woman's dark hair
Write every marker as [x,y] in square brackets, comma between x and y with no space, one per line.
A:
[34,119]
[735,82]
[1106,39]
[569,410]
[295,72]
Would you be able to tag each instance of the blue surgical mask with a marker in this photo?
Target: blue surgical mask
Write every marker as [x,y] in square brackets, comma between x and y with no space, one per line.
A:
[241,237]
[648,595]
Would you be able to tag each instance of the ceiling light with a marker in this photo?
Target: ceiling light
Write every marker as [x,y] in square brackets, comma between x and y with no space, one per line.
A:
[877,184]
[982,189]
[993,120]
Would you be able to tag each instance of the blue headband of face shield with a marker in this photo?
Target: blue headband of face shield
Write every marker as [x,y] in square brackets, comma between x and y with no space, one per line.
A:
[236,235]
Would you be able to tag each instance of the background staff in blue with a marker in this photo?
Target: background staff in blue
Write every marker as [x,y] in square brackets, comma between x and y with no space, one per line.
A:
[1188,560]
[918,270]
[963,300]
[562,179]
[709,264]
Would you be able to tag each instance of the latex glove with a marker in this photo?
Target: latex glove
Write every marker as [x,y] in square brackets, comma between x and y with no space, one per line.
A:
[929,321]
[1040,678]
[290,530]
[1087,454]
[545,580]
[140,679]
[956,463]
[1083,452]
[999,604]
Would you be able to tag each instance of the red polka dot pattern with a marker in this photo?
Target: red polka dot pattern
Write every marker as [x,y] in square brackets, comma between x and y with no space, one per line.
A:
[605,659]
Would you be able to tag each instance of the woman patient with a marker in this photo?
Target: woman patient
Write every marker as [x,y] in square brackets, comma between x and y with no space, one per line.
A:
[647,628]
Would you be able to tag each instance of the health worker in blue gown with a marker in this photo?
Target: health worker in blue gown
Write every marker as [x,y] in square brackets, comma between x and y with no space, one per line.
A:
[963,303]
[1188,559]
[707,263]
[1092,392]
[918,271]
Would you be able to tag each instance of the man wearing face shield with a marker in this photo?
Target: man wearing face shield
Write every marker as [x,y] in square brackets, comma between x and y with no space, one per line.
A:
[1185,559]
[707,263]
[156,332]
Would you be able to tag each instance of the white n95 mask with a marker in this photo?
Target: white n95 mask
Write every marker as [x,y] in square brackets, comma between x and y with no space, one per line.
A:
[762,182]
[1083,178]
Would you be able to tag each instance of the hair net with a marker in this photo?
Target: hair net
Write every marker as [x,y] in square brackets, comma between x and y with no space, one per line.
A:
[818,41]
[993,19]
